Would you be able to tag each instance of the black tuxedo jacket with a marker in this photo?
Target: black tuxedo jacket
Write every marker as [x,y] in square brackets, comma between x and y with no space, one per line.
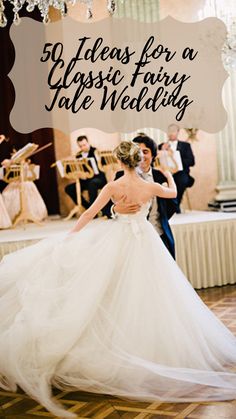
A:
[186,154]
[166,208]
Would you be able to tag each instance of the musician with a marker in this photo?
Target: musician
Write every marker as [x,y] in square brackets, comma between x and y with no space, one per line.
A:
[5,221]
[2,183]
[92,185]
[182,177]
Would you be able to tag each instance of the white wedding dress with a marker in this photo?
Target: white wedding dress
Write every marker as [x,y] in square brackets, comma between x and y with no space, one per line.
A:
[108,310]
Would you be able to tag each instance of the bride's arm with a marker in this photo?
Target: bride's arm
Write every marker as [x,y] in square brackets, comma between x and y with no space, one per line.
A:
[102,199]
[169,191]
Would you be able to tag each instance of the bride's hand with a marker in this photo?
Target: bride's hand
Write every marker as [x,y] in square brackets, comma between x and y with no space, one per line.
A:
[122,207]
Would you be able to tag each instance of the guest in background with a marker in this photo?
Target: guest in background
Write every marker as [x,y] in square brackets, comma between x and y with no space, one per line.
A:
[161,209]
[92,185]
[182,178]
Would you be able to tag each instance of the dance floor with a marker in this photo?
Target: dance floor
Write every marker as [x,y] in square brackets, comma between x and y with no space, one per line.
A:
[222,300]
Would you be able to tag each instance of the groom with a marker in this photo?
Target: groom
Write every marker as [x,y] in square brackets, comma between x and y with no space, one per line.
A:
[162,209]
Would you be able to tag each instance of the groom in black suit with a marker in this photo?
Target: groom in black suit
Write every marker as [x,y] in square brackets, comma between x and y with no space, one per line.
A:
[162,209]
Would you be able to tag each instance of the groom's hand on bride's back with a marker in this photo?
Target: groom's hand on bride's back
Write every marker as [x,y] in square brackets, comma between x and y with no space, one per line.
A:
[123,207]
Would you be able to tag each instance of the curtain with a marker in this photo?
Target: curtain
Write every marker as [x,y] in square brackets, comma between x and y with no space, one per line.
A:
[143,10]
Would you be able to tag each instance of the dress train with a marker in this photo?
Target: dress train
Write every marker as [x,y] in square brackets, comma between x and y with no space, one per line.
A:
[108,310]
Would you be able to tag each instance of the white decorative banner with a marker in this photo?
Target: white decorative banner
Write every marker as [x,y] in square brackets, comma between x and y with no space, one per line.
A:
[113,74]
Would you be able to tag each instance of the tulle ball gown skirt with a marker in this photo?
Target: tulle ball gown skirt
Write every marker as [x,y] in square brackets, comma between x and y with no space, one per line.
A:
[108,310]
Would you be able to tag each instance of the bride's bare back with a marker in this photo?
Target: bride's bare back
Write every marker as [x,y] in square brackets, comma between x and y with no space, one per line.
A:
[133,188]
[137,190]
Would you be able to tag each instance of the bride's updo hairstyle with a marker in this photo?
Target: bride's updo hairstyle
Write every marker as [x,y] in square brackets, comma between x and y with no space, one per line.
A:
[128,153]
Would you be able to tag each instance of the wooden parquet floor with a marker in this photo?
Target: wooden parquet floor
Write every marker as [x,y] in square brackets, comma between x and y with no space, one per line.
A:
[222,300]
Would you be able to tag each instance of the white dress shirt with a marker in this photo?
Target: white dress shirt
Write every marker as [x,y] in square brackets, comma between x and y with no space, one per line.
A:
[84,154]
[173,144]
[176,154]
[154,216]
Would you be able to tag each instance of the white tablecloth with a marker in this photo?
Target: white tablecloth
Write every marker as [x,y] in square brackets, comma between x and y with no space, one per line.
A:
[206,247]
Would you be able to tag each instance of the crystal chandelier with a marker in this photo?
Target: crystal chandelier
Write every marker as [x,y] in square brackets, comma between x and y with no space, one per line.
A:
[229,49]
[43,6]
[226,11]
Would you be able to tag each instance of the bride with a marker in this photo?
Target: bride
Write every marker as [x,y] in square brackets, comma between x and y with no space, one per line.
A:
[106,309]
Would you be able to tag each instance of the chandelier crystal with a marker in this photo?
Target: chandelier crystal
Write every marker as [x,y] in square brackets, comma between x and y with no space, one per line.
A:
[229,49]
[226,11]
[43,6]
